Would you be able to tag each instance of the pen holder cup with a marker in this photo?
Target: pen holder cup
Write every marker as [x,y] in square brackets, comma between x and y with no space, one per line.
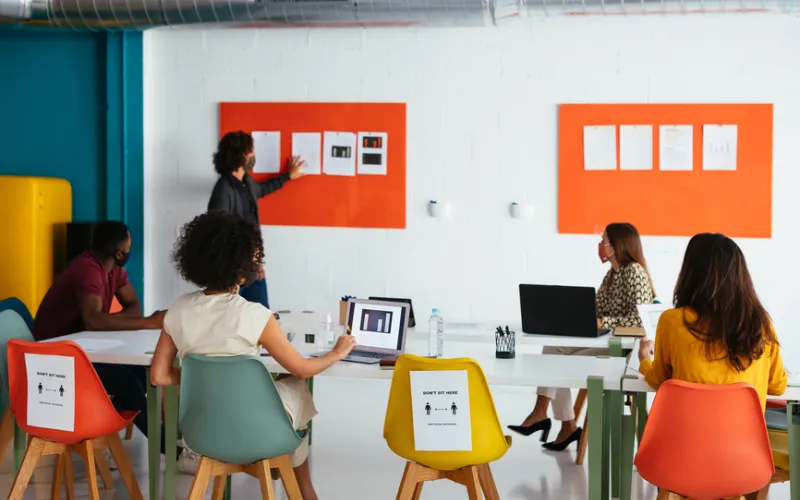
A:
[505,345]
[342,312]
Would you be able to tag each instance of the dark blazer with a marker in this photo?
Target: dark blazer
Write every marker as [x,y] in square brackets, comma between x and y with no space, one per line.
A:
[225,197]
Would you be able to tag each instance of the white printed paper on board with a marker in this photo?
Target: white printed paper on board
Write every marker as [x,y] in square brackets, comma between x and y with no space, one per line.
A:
[339,153]
[51,391]
[720,145]
[600,147]
[372,149]
[676,148]
[636,147]
[440,410]
[307,145]
[267,148]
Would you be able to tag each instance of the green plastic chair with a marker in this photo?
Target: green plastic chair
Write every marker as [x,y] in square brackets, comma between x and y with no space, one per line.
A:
[12,326]
[231,414]
[17,306]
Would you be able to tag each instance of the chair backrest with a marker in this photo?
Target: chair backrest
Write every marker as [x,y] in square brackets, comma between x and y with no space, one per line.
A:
[95,416]
[231,411]
[706,442]
[12,326]
[18,307]
[488,441]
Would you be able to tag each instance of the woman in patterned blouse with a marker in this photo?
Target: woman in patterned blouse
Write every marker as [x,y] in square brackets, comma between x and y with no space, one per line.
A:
[626,285]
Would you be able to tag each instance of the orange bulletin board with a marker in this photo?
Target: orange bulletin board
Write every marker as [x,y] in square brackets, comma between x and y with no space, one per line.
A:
[668,203]
[368,201]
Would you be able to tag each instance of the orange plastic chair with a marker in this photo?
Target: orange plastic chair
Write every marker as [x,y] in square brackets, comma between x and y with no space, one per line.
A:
[705,442]
[97,423]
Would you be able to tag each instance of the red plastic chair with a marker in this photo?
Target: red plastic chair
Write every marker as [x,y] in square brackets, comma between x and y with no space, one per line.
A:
[705,442]
[97,422]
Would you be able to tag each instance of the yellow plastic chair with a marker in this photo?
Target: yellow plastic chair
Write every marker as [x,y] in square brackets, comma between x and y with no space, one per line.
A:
[470,468]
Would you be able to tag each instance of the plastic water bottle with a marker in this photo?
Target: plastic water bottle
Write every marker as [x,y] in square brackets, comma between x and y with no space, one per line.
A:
[436,334]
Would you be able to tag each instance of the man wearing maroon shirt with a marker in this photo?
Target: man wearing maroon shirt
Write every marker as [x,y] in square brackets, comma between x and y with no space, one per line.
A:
[80,299]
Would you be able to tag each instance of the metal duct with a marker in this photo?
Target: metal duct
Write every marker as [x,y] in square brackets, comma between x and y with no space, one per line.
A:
[142,14]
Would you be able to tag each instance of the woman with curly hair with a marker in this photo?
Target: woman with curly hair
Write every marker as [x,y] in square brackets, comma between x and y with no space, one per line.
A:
[219,252]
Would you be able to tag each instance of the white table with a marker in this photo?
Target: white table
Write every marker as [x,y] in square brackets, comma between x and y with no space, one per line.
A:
[312,323]
[601,376]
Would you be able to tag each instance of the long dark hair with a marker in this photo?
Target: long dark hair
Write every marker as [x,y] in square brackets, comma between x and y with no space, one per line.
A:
[627,245]
[714,282]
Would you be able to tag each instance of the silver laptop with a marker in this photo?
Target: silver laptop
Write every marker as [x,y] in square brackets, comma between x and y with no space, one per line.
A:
[379,328]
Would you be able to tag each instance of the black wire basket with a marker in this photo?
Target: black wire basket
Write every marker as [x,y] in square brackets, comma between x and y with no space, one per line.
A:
[505,344]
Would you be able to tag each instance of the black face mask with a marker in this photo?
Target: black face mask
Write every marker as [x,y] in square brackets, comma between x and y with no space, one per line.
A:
[250,163]
[124,260]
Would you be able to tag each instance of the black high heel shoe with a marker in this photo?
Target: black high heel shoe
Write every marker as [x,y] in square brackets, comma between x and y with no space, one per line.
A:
[575,436]
[542,425]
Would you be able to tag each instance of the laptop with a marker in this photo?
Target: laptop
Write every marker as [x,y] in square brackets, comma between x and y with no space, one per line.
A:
[568,311]
[379,327]
[411,321]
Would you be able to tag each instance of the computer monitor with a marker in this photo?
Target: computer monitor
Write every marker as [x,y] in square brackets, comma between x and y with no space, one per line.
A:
[412,322]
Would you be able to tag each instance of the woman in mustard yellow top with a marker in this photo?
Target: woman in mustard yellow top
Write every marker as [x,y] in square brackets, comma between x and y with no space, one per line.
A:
[718,333]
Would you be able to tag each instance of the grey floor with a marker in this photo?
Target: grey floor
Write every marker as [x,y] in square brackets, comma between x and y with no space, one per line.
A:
[350,459]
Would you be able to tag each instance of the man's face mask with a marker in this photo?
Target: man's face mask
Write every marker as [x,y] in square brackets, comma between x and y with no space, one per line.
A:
[121,261]
[250,163]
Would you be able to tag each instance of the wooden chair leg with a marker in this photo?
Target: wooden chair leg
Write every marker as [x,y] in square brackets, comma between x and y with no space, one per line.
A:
[104,469]
[129,432]
[472,482]
[87,451]
[408,485]
[218,490]
[124,466]
[69,477]
[418,491]
[29,461]
[6,432]
[583,442]
[265,481]
[58,471]
[580,401]
[487,482]
[286,473]
[201,479]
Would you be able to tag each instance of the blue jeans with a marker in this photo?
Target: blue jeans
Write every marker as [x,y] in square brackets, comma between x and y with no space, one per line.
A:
[256,292]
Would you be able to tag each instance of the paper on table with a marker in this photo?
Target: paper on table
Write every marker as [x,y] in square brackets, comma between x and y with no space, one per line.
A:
[675,147]
[636,147]
[307,145]
[600,147]
[719,147]
[339,153]
[94,345]
[51,391]
[267,146]
[440,410]
[650,314]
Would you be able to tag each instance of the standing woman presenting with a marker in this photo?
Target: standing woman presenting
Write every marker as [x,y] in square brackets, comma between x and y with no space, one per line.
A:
[237,192]
[626,285]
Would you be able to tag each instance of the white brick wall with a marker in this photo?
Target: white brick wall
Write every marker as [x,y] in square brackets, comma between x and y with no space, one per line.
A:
[482,132]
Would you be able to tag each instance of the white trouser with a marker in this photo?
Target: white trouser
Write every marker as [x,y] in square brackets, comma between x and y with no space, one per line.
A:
[562,398]
[299,405]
